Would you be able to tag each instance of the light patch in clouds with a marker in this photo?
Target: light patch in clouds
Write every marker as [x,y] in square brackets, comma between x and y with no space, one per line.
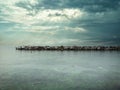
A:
[10,2]
[51,30]
[76,29]
[33,2]
[59,15]
[15,14]
[20,15]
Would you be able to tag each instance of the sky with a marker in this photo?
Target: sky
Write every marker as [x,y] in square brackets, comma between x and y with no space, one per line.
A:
[60,22]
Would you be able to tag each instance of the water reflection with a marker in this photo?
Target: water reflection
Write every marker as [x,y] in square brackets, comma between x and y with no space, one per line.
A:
[46,70]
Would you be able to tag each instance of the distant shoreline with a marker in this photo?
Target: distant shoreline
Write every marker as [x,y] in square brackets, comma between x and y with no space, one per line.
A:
[70,48]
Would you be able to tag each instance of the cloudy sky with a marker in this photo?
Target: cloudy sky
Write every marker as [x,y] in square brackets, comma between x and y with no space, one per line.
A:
[59,22]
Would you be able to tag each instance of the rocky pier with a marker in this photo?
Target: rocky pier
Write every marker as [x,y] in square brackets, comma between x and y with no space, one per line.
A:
[70,48]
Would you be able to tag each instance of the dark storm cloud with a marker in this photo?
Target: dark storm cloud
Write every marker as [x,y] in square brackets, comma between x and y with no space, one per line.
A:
[94,5]
[87,5]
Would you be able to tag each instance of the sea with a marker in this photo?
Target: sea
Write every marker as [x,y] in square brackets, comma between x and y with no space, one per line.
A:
[59,70]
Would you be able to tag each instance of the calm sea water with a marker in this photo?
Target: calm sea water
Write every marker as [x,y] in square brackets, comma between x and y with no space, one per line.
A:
[56,70]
